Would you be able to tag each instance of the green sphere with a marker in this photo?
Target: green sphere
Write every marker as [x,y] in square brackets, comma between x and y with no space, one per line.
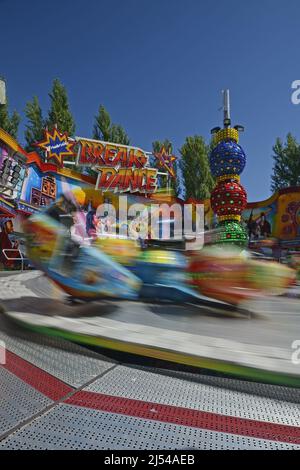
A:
[232,233]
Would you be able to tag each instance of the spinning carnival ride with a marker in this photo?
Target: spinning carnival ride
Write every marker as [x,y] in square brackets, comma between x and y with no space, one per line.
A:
[115,267]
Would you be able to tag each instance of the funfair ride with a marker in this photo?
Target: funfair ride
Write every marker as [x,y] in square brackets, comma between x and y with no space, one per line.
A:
[225,270]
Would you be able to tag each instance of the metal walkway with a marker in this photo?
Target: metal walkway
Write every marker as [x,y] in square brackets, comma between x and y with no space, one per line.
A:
[58,395]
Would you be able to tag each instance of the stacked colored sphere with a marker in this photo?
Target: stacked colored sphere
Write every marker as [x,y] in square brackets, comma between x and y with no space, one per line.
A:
[228,198]
[228,133]
[233,232]
[227,158]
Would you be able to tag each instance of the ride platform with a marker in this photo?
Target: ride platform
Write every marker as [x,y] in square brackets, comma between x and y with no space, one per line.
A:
[57,394]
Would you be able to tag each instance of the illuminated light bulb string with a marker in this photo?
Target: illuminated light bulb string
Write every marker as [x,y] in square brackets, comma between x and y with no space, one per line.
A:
[228,199]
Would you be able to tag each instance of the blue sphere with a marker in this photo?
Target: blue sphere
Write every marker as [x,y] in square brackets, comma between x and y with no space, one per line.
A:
[227,158]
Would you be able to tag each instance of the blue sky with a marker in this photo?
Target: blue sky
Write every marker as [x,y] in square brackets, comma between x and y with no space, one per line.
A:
[159,67]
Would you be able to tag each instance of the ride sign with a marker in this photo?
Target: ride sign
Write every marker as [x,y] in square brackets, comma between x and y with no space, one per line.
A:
[121,167]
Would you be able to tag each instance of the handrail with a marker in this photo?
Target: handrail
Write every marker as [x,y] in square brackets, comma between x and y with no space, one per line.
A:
[22,258]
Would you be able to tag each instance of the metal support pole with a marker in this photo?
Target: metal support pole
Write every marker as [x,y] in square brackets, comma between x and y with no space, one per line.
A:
[226,100]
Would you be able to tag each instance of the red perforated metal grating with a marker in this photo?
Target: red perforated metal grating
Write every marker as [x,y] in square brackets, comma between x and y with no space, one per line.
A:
[187,417]
[45,383]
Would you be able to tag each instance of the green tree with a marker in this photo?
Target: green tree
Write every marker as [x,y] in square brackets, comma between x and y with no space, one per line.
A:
[35,128]
[102,125]
[286,169]
[59,112]
[157,145]
[106,131]
[118,135]
[9,123]
[197,179]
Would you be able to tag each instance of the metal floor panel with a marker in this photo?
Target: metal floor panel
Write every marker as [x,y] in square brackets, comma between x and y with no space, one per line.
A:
[277,392]
[18,401]
[69,362]
[70,427]
[150,387]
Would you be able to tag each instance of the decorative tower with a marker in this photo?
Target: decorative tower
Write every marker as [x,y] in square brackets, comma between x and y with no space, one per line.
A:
[227,161]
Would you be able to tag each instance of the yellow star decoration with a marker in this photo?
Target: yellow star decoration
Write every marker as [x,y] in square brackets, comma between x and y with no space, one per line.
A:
[57,146]
[165,160]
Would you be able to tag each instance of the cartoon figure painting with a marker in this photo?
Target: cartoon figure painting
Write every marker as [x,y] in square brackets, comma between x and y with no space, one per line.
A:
[259,226]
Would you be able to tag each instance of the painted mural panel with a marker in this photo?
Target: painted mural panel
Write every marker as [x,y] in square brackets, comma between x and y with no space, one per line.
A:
[260,221]
[40,189]
[288,216]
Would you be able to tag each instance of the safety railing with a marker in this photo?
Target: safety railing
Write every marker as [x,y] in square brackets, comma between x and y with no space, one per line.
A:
[10,258]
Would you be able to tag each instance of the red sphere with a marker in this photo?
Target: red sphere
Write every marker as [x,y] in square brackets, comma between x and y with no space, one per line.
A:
[228,198]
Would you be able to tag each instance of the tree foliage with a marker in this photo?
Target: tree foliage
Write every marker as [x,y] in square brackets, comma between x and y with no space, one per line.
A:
[105,130]
[286,169]
[157,145]
[35,128]
[59,112]
[9,123]
[197,179]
